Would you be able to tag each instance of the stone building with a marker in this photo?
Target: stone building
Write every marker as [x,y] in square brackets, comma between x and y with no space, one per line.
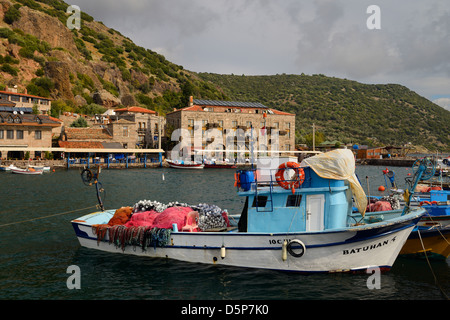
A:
[117,134]
[148,125]
[25,101]
[19,131]
[267,127]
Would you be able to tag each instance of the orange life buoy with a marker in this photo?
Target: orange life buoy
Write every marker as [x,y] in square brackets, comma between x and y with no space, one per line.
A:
[296,181]
[237,183]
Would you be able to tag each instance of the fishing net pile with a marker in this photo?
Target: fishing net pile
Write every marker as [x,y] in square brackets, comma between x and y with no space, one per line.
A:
[150,223]
[385,203]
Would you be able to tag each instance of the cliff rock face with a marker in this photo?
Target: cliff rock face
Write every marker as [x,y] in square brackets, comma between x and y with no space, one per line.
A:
[106,99]
[59,72]
[46,28]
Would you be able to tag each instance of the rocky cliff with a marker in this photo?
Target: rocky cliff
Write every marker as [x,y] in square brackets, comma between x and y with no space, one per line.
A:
[94,64]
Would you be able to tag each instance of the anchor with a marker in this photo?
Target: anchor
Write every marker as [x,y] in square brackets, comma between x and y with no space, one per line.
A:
[88,177]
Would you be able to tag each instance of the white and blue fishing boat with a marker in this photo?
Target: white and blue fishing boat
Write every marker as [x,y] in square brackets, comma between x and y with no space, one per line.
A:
[431,236]
[301,223]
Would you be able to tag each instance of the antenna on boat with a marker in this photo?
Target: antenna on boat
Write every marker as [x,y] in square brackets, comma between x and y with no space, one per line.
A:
[89,178]
[423,169]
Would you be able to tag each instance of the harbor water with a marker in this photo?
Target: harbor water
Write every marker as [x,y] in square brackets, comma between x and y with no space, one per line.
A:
[38,245]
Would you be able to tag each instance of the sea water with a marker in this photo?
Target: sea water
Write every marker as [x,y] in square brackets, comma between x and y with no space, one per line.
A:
[38,245]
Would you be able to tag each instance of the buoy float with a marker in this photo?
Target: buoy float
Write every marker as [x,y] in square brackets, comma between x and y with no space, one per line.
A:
[381,188]
[284,251]
[222,252]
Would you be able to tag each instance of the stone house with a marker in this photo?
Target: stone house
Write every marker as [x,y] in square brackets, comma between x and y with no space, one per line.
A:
[26,101]
[19,131]
[273,128]
[117,134]
[143,124]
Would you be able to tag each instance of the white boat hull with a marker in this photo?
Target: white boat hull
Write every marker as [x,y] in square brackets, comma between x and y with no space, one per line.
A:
[185,166]
[350,249]
[25,171]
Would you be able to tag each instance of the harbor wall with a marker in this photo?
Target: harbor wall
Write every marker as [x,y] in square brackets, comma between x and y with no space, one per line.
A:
[394,162]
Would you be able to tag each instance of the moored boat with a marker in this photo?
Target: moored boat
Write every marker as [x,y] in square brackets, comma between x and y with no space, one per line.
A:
[185,164]
[300,223]
[29,171]
[432,234]
[219,165]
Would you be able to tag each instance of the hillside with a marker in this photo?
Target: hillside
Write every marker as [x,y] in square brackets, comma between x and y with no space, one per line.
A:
[92,66]
[96,67]
[345,110]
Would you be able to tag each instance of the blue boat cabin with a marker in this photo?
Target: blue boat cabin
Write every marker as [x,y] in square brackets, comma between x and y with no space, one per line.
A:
[318,204]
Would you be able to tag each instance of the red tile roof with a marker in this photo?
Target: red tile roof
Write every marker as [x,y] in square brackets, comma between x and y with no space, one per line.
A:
[281,112]
[86,134]
[23,94]
[135,109]
[80,144]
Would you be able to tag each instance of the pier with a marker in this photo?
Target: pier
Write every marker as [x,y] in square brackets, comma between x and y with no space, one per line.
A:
[109,158]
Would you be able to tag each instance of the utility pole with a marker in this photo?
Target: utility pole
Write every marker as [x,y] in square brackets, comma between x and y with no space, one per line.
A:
[314,137]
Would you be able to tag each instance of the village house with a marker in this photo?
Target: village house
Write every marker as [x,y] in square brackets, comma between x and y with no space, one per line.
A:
[229,116]
[149,125]
[117,135]
[19,130]
[25,102]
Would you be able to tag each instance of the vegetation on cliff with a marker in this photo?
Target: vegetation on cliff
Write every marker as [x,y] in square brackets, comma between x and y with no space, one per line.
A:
[344,110]
[97,67]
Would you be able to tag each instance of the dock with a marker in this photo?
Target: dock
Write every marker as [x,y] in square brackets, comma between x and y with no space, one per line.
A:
[388,162]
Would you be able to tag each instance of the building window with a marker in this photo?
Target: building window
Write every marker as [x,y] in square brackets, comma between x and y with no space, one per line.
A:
[276,125]
[15,98]
[220,123]
[9,134]
[19,134]
[25,99]
[204,123]
[249,124]
[2,134]
[234,124]
[38,134]
[125,131]
[287,147]
[190,122]
[44,102]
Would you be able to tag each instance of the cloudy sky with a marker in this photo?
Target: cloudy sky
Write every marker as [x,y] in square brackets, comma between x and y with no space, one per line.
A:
[266,37]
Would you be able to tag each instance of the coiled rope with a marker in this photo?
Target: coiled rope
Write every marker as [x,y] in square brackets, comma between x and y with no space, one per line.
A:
[45,217]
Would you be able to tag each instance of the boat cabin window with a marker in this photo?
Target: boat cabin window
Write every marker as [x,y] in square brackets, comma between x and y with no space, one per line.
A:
[294,200]
[259,201]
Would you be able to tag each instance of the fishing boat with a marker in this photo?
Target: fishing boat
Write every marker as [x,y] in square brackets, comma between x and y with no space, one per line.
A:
[218,165]
[297,220]
[29,171]
[185,164]
[43,168]
[431,236]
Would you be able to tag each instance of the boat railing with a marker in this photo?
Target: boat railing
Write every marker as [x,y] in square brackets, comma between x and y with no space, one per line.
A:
[252,180]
